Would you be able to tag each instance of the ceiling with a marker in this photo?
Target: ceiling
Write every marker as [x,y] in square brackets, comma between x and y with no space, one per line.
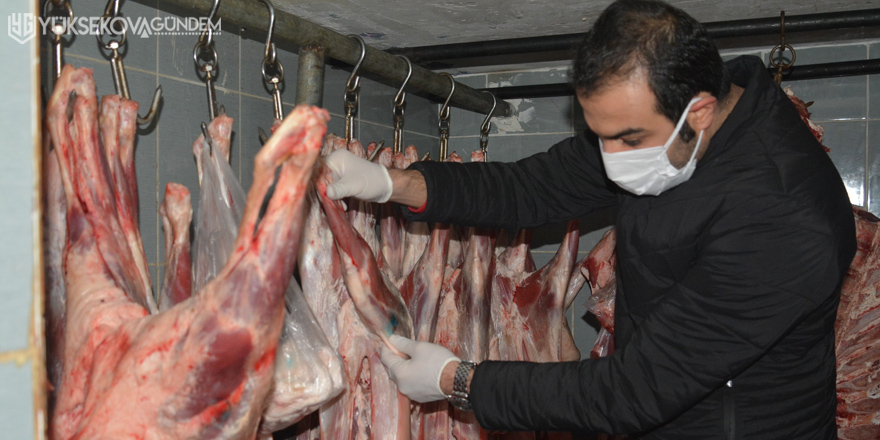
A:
[406,23]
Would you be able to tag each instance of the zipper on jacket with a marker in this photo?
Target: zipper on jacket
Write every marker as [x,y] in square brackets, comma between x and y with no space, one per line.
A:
[729,411]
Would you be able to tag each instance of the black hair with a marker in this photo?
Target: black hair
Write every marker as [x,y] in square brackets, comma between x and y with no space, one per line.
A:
[669,46]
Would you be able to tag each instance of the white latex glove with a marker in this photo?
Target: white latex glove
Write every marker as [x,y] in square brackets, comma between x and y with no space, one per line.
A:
[358,178]
[419,376]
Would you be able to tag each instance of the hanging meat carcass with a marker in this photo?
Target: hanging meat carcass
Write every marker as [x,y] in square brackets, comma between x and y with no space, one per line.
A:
[176,213]
[201,369]
[601,266]
[528,309]
[308,372]
[392,232]
[432,420]
[530,320]
[857,331]
[801,106]
[320,271]
[416,234]
[371,407]
[379,304]
[472,292]
[436,419]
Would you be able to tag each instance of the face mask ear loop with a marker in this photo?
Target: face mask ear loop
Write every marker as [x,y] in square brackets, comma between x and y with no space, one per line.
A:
[697,147]
[680,123]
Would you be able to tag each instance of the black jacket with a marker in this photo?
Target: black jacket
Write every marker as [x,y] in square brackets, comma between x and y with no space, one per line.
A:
[728,284]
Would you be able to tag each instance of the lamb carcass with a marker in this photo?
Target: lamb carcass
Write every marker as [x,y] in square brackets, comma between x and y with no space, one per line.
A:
[308,372]
[371,407]
[857,330]
[203,368]
[176,213]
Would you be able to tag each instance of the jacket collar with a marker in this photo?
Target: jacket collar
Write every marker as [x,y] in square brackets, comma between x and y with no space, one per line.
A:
[759,96]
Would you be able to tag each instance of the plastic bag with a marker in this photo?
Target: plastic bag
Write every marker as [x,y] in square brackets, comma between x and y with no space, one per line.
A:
[221,208]
[308,371]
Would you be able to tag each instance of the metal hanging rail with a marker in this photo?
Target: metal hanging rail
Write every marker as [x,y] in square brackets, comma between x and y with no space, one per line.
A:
[566,42]
[795,73]
[290,28]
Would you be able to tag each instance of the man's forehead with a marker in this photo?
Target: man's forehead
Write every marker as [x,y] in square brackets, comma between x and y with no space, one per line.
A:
[633,89]
[624,107]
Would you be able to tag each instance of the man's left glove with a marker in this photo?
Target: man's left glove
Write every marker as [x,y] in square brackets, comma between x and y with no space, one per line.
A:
[358,178]
[419,376]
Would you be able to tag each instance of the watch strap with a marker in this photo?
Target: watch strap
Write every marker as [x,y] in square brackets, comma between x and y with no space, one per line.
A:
[460,397]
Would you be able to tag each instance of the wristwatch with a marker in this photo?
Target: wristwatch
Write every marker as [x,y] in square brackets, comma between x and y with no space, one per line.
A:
[459,397]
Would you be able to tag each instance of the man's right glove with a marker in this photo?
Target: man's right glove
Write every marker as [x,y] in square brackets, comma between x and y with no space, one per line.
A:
[358,178]
[419,376]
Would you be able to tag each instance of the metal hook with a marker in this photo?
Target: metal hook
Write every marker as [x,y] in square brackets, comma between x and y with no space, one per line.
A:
[269,52]
[486,126]
[270,62]
[209,140]
[120,81]
[207,37]
[111,12]
[782,65]
[375,153]
[444,118]
[398,109]
[112,9]
[58,30]
[205,47]
[154,108]
[401,95]
[354,79]
[351,91]
[444,111]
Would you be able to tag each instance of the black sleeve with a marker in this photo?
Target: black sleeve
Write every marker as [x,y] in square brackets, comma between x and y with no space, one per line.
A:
[760,274]
[564,183]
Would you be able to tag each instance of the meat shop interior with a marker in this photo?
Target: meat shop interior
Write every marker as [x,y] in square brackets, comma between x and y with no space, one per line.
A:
[456,61]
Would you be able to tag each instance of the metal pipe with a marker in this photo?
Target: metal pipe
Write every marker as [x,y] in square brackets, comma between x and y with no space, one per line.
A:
[567,42]
[831,70]
[310,77]
[288,27]
[796,73]
[794,23]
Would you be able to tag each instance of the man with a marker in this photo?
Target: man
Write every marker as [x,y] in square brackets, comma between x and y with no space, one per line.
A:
[734,232]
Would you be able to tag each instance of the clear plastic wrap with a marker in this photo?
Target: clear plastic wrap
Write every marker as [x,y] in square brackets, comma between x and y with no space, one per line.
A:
[308,371]
[221,206]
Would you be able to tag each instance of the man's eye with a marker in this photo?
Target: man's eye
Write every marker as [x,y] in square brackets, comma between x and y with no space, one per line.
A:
[631,143]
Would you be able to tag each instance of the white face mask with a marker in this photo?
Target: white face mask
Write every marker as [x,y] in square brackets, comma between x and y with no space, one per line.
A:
[648,170]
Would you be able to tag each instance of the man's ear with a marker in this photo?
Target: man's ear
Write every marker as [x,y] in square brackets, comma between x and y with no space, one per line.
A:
[702,113]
